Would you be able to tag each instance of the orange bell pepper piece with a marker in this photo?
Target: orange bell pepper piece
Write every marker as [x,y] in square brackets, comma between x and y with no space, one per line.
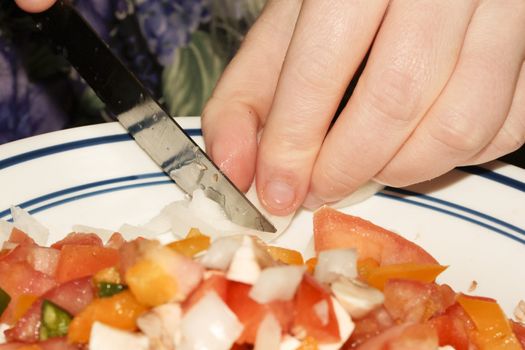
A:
[287,256]
[194,243]
[366,266]
[309,343]
[414,272]
[493,330]
[23,304]
[310,265]
[120,311]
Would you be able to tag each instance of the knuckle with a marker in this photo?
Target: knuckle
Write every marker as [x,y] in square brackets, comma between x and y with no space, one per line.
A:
[392,96]
[459,133]
[333,181]
[511,139]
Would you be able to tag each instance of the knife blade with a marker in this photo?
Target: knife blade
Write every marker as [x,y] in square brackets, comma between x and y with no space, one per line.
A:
[158,134]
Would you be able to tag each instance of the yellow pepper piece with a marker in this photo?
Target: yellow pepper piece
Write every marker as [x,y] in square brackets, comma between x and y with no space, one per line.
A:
[310,265]
[108,275]
[309,343]
[493,330]
[287,256]
[191,245]
[120,311]
[366,266]
[24,303]
[194,232]
[150,283]
[414,272]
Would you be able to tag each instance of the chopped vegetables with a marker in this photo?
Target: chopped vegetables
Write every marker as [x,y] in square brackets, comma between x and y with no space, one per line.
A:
[78,261]
[414,272]
[24,303]
[285,255]
[106,289]
[194,243]
[4,300]
[55,321]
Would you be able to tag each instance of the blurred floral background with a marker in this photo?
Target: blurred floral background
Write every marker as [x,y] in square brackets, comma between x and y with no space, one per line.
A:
[177,48]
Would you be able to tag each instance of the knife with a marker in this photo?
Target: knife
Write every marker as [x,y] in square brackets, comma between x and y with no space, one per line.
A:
[153,129]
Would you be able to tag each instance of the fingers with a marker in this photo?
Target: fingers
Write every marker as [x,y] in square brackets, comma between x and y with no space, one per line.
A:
[474,104]
[511,136]
[34,5]
[243,96]
[412,58]
[329,41]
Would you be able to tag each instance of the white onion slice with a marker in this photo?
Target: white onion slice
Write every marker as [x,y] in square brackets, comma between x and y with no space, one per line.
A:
[334,263]
[210,325]
[220,253]
[346,327]
[277,283]
[357,298]
[161,325]
[289,343]
[27,223]
[5,230]
[321,311]
[108,338]
[269,334]
[244,266]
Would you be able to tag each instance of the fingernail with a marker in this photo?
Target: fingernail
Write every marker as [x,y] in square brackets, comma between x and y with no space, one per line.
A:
[279,195]
[312,202]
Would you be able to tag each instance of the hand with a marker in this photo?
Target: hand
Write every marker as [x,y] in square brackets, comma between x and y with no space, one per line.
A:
[34,5]
[444,86]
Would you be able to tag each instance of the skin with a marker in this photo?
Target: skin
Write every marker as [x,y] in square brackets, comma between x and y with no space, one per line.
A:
[444,86]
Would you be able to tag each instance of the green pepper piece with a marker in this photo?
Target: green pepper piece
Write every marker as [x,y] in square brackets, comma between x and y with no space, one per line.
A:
[106,289]
[4,301]
[55,321]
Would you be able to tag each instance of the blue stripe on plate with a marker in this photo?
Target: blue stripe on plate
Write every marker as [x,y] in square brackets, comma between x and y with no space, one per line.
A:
[68,146]
[451,213]
[86,186]
[489,174]
[457,206]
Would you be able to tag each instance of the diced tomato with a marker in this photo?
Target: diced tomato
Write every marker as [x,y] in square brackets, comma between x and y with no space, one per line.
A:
[72,296]
[414,301]
[116,241]
[216,282]
[250,313]
[77,261]
[333,229]
[405,337]
[519,331]
[129,254]
[51,344]
[18,279]
[75,238]
[39,258]
[369,326]
[453,328]
[20,237]
[309,293]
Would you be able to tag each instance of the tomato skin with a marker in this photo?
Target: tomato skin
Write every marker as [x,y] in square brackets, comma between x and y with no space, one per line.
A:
[216,283]
[77,261]
[308,294]
[333,229]
[414,301]
[453,328]
[20,278]
[72,296]
[75,238]
[250,313]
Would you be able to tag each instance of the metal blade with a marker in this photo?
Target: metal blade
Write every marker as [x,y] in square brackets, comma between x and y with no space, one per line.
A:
[151,126]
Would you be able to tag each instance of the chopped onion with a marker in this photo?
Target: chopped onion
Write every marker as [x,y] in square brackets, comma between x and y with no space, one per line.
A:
[105,337]
[334,263]
[9,245]
[244,266]
[289,343]
[345,324]
[357,298]
[5,230]
[321,311]
[102,233]
[210,325]
[27,223]
[277,283]
[3,327]
[161,325]
[220,253]
[269,334]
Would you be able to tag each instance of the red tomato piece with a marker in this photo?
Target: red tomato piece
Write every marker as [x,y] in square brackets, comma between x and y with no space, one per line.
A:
[41,259]
[19,278]
[309,293]
[77,261]
[216,282]
[116,241]
[75,238]
[333,229]
[414,301]
[453,328]
[519,331]
[250,313]
[369,326]
[20,237]
[404,337]
[72,296]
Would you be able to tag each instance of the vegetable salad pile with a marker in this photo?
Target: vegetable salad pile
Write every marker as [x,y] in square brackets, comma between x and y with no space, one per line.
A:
[366,288]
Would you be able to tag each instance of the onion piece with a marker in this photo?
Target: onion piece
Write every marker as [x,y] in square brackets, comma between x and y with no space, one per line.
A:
[210,325]
[321,311]
[334,263]
[5,230]
[277,283]
[289,343]
[28,224]
[269,334]
[108,338]
[244,266]
[346,327]
[220,253]
[161,325]
[357,298]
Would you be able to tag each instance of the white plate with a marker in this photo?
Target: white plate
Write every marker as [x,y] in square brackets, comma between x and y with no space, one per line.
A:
[471,219]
